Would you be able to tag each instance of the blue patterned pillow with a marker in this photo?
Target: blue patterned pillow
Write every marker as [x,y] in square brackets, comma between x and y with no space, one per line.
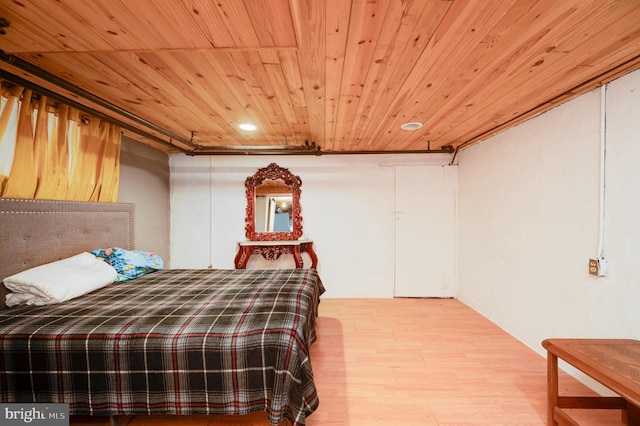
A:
[129,264]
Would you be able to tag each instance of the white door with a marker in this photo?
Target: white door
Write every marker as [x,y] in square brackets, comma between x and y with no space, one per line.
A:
[424,231]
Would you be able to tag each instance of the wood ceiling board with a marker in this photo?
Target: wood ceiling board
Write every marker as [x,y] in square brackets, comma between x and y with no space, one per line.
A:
[273,22]
[343,74]
[524,91]
[523,85]
[396,56]
[282,95]
[338,14]
[309,18]
[261,94]
[488,62]
[459,33]
[288,62]
[363,35]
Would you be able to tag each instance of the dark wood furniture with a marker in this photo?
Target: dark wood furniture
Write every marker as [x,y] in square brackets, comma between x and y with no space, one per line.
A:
[615,363]
[270,181]
[270,184]
[271,250]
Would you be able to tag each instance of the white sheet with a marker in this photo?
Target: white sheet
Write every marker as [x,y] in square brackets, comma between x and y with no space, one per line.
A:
[58,281]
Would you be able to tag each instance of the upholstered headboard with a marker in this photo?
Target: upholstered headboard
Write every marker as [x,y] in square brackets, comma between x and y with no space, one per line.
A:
[34,232]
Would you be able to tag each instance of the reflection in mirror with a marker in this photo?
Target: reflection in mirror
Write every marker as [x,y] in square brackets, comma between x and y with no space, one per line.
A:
[273,205]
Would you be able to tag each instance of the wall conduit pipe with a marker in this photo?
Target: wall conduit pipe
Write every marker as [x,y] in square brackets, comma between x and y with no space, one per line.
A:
[603,157]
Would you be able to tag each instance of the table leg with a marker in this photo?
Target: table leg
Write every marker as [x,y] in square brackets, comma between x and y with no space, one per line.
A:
[242,257]
[631,416]
[552,387]
[297,257]
[236,260]
[312,254]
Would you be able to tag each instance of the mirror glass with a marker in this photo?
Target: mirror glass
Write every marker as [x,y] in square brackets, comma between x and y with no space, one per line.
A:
[273,205]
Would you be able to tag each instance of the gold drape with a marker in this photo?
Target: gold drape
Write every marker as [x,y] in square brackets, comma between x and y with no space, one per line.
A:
[83,166]
[111,165]
[108,181]
[6,117]
[45,153]
[57,156]
[23,178]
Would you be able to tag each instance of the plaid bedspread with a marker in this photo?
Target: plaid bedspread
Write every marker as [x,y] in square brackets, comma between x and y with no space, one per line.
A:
[171,342]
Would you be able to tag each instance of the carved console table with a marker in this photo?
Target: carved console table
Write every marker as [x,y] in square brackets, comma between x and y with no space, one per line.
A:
[271,250]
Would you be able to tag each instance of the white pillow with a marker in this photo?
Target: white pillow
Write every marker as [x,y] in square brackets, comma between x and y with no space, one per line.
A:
[59,281]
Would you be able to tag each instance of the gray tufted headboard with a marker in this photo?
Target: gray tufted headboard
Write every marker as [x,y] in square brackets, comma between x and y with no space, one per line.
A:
[34,232]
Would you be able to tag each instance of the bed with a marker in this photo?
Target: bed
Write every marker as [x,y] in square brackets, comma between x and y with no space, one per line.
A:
[174,341]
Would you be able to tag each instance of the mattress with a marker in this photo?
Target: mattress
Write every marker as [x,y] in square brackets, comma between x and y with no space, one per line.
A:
[171,342]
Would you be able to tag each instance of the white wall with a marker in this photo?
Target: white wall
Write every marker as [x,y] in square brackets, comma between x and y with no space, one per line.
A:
[144,181]
[529,221]
[347,207]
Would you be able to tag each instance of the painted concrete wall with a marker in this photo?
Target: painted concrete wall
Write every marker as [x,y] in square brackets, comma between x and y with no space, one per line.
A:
[144,181]
[347,207]
[529,221]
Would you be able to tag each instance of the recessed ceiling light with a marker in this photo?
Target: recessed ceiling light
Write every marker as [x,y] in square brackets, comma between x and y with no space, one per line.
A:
[249,127]
[414,125]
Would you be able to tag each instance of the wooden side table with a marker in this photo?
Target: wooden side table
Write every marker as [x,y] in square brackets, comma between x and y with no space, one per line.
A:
[613,362]
[272,250]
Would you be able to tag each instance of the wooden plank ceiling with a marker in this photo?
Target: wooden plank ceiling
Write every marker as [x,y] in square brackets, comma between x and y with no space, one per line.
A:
[341,74]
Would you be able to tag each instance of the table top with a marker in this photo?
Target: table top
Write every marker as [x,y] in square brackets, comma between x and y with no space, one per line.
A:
[613,362]
[274,243]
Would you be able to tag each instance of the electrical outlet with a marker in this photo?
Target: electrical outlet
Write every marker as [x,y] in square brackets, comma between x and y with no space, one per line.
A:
[598,266]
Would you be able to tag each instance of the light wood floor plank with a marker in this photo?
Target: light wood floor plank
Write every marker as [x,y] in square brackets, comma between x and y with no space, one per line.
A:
[427,362]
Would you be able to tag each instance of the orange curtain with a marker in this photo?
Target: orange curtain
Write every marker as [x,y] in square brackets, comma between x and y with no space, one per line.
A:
[8,116]
[109,168]
[84,156]
[23,178]
[54,182]
[59,154]
[45,153]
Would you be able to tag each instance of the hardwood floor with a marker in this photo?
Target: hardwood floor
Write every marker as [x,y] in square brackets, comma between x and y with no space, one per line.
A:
[416,362]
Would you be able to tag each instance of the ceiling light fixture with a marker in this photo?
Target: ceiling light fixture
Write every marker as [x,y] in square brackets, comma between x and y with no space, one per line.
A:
[413,125]
[249,127]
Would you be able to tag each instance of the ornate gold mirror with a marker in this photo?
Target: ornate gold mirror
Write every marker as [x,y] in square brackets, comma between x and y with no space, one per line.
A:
[273,205]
